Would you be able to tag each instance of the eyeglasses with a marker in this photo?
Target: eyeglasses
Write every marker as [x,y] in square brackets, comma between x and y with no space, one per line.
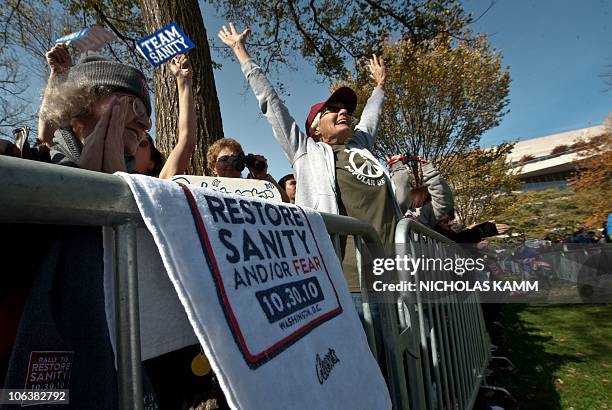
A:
[140,110]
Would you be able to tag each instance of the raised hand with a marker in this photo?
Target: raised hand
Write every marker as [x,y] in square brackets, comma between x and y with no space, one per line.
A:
[236,41]
[231,38]
[377,70]
[501,228]
[405,158]
[180,66]
[418,158]
[59,60]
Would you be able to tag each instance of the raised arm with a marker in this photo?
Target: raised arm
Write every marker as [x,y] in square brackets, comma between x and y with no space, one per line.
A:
[59,61]
[179,157]
[286,130]
[365,131]
[401,181]
[442,200]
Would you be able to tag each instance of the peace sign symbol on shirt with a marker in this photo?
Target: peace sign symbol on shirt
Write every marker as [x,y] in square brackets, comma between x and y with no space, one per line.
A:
[368,168]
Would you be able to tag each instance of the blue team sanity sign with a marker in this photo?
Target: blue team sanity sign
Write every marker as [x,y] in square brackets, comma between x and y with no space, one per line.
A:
[164,44]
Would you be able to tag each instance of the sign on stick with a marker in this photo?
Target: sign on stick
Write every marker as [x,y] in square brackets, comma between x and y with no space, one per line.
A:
[164,44]
[88,39]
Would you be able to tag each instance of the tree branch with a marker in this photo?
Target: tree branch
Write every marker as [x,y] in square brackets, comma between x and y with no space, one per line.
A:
[327,31]
[305,34]
[391,13]
[127,40]
[8,20]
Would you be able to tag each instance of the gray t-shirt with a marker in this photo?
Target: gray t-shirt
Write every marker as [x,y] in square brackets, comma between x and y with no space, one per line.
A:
[363,192]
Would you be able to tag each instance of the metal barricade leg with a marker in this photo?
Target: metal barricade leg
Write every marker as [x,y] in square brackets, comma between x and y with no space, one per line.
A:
[129,367]
[409,337]
[365,300]
[394,357]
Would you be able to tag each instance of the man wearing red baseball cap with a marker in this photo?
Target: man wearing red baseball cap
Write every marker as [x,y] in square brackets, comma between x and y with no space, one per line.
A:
[334,167]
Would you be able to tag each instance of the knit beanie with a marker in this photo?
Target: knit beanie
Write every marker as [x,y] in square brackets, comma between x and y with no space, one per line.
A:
[96,70]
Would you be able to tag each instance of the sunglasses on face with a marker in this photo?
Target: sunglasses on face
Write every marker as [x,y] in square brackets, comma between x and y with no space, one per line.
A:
[333,109]
[236,161]
[229,158]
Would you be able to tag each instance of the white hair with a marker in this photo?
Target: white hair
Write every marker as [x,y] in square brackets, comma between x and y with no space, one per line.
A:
[315,122]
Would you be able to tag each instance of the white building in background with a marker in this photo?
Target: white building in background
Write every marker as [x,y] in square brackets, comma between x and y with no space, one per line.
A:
[539,167]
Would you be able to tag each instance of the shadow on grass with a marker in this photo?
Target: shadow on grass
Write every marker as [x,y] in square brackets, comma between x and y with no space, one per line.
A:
[588,326]
[532,383]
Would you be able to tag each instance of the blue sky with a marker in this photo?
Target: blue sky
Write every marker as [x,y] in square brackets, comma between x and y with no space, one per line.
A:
[557,51]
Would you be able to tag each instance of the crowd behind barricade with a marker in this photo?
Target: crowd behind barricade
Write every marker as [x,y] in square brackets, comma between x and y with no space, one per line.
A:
[96,115]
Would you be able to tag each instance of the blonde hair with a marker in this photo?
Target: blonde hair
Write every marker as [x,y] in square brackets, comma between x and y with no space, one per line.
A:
[216,147]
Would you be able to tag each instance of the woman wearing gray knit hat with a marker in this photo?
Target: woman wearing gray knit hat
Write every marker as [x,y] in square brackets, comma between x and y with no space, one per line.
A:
[101,111]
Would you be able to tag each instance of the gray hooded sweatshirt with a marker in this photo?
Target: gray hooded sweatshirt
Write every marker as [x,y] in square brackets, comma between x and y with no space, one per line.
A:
[442,200]
[313,161]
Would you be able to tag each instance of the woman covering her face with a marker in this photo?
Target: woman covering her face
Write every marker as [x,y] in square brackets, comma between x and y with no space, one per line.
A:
[101,112]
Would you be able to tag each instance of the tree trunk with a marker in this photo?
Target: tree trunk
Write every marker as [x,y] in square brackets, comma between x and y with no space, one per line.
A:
[186,13]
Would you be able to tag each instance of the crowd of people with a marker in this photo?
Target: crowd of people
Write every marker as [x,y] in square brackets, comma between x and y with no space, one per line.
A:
[96,115]
[588,237]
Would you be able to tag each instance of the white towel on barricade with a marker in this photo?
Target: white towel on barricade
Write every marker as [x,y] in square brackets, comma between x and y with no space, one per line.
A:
[265,294]
[164,326]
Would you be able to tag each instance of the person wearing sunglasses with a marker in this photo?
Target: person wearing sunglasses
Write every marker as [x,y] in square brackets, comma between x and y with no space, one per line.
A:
[100,112]
[332,160]
[225,158]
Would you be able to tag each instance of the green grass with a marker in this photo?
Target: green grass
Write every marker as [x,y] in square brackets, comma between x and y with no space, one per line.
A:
[562,354]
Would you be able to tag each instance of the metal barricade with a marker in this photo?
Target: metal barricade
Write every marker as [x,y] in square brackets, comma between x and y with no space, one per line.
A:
[40,193]
[454,344]
[434,354]
[390,321]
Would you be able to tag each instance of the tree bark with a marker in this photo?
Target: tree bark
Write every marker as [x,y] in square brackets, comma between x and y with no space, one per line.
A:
[186,13]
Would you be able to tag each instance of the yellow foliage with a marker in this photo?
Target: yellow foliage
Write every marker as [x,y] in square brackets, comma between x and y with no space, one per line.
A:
[441,95]
[593,179]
